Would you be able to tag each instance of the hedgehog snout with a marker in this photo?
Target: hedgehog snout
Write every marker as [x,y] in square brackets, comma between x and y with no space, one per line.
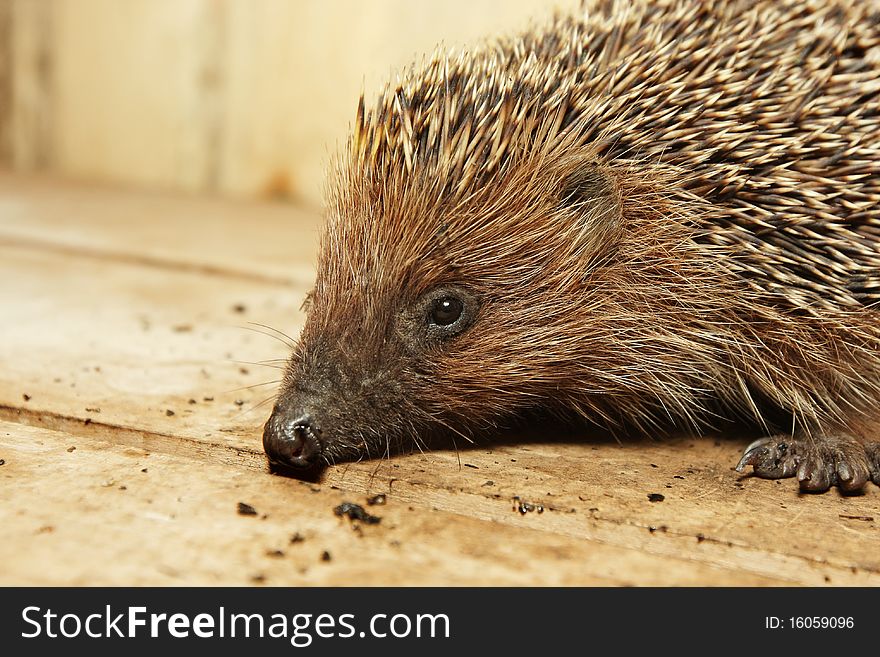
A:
[291,440]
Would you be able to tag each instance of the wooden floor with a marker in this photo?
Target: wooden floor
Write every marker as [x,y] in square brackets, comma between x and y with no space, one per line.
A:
[131,415]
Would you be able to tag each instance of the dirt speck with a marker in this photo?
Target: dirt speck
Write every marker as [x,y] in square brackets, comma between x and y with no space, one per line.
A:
[72,448]
[356,512]
[326,556]
[169,412]
[275,554]
[524,507]
[656,497]
[246,509]
[26,397]
[376,500]
[182,328]
[239,308]
[297,538]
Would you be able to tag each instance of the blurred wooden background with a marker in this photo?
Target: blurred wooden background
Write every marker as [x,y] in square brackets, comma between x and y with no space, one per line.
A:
[132,398]
[237,97]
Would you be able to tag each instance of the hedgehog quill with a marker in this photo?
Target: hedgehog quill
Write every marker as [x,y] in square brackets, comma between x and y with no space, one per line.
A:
[649,214]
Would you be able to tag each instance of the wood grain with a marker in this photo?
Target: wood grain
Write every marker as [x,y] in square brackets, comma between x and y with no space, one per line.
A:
[243,98]
[128,339]
[114,515]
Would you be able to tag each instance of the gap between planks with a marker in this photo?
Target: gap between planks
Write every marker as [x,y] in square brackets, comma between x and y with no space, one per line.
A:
[165,264]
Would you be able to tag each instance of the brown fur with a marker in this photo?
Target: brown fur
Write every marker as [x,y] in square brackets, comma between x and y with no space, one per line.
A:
[667,211]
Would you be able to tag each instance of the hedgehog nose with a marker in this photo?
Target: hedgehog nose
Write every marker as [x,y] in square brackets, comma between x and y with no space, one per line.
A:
[291,442]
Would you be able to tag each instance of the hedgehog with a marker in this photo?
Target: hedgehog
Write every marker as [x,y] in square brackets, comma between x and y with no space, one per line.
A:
[649,216]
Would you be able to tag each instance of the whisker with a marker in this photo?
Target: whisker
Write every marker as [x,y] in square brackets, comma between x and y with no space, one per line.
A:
[345,470]
[252,408]
[270,332]
[256,385]
[261,363]
[373,475]
[457,453]
[451,428]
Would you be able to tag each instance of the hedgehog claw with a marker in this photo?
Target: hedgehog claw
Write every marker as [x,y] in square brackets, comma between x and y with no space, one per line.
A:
[813,476]
[818,462]
[770,459]
[753,455]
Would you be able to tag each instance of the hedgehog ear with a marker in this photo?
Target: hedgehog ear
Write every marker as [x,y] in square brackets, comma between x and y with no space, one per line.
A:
[591,189]
[589,195]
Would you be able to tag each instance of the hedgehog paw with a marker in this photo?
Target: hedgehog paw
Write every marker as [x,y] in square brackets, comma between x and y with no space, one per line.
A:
[873,450]
[819,462]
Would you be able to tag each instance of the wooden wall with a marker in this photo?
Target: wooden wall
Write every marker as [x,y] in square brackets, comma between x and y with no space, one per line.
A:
[241,97]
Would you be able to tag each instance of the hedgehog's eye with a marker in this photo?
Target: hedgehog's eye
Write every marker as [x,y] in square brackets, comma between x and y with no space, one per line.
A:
[446,310]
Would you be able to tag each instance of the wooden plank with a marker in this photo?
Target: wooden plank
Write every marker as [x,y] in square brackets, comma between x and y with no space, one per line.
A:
[134,91]
[294,72]
[245,98]
[30,106]
[264,241]
[96,331]
[600,492]
[79,513]
[126,345]
[6,81]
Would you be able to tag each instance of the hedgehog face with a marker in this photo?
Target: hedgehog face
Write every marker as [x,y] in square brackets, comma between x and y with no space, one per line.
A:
[362,390]
[430,324]
[362,378]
